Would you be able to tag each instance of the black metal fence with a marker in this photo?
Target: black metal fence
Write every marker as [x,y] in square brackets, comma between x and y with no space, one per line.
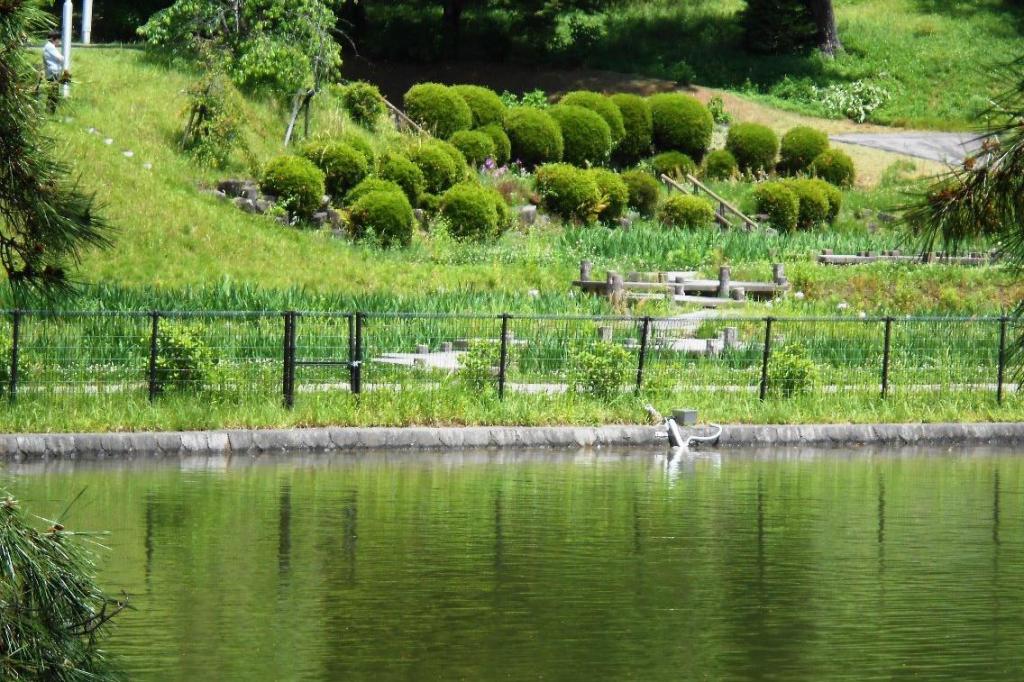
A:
[51,355]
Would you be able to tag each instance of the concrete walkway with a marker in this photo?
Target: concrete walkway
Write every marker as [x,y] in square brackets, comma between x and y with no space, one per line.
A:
[950,148]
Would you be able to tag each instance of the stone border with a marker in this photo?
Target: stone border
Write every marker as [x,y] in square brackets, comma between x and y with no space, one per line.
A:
[16,447]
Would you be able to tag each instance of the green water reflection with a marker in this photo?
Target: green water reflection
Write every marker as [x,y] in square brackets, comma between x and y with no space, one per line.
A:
[792,565]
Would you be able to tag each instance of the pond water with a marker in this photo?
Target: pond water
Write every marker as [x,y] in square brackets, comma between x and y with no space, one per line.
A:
[787,565]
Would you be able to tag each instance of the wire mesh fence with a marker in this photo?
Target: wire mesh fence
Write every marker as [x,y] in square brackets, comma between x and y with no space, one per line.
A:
[50,357]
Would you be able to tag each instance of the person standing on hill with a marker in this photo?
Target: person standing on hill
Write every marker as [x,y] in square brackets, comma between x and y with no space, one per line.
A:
[53,68]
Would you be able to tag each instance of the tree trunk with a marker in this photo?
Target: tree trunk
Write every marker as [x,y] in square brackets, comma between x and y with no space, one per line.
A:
[825,20]
[451,24]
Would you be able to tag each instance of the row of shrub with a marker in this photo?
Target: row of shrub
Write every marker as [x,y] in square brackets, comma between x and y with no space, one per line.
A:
[798,203]
[584,128]
[802,150]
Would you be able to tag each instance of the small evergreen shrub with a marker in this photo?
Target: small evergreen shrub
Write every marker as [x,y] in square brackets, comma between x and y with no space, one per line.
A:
[614,194]
[800,147]
[814,206]
[502,145]
[681,123]
[720,165]
[386,215]
[643,191]
[438,108]
[484,104]
[676,165]
[836,167]
[832,194]
[475,146]
[684,210]
[438,164]
[430,203]
[343,166]
[506,216]
[753,145]
[638,129]
[296,182]
[535,137]
[716,106]
[361,143]
[371,185]
[587,141]
[364,104]
[568,192]
[471,212]
[184,360]
[600,370]
[601,105]
[407,175]
[791,372]
[214,127]
[779,203]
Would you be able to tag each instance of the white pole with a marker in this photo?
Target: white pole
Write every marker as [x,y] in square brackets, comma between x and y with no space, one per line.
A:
[69,9]
[86,22]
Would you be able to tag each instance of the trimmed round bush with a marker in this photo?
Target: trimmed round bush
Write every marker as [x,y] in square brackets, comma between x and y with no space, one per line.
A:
[603,106]
[475,146]
[405,174]
[643,191]
[720,165]
[438,108]
[800,147]
[779,203]
[832,194]
[586,139]
[673,164]
[484,104]
[371,185]
[753,145]
[684,210]
[506,216]
[814,206]
[568,192]
[296,182]
[439,166]
[471,211]
[638,129]
[535,137]
[360,143]
[343,166]
[363,104]
[614,194]
[502,145]
[836,167]
[430,203]
[385,214]
[681,123]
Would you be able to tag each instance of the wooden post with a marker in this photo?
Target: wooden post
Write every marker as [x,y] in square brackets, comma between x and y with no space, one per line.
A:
[585,268]
[724,276]
[779,273]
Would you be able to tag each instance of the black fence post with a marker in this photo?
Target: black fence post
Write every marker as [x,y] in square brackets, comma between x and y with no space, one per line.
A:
[288,388]
[12,392]
[154,388]
[767,355]
[645,333]
[886,357]
[351,352]
[1002,358]
[503,358]
[357,363]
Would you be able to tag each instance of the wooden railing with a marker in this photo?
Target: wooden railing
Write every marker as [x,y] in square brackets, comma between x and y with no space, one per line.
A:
[724,206]
[401,119]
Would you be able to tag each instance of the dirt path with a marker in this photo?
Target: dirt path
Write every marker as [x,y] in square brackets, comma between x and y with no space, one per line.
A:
[872,160]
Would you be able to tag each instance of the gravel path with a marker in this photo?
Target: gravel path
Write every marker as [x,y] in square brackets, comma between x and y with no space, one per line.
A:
[949,148]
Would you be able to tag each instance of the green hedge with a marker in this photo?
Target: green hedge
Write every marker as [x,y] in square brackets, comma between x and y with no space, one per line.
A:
[681,123]
[836,167]
[502,145]
[484,104]
[438,108]
[800,147]
[568,192]
[720,165]
[814,204]
[402,171]
[475,146]
[676,165]
[638,129]
[343,166]
[297,184]
[779,203]
[364,104]
[684,210]
[603,106]
[386,215]
[369,185]
[471,212]
[614,194]
[441,168]
[535,137]
[587,141]
[754,146]
[643,191]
